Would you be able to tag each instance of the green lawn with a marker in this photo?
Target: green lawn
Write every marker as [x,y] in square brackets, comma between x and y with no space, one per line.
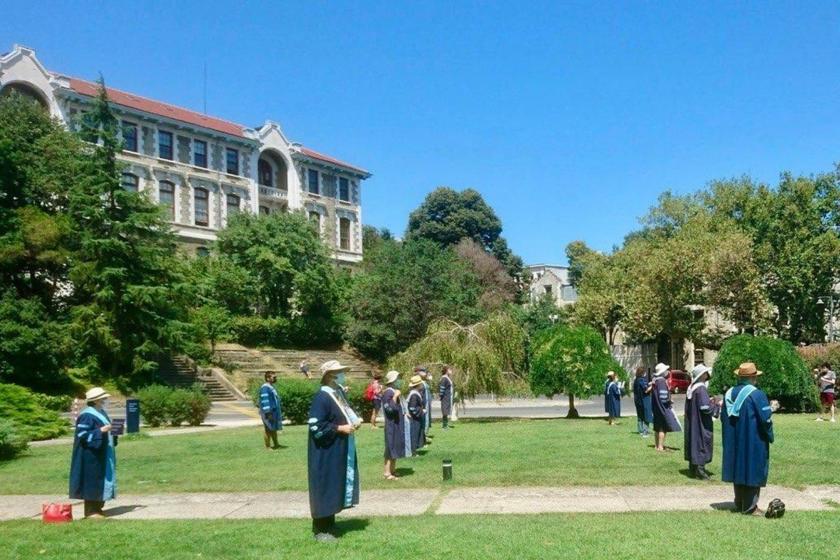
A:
[652,536]
[502,453]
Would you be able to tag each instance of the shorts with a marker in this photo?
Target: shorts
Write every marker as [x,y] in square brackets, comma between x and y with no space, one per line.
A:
[377,404]
[827,399]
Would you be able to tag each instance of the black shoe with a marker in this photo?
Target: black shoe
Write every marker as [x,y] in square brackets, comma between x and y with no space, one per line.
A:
[702,474]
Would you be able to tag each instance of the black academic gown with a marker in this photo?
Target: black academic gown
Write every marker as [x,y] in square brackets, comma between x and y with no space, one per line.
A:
[612,399]
[446,396]
[664,419]
[416,420]
[333,468]
[746,437]
[700,413]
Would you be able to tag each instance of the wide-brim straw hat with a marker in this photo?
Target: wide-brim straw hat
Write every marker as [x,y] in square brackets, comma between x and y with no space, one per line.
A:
[661,369]
[96,394]
[747,369]
[391,376]
[698,370]
[332,366]
[415,381]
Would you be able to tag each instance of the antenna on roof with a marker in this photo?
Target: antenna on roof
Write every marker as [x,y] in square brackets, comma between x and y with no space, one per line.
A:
[205,87]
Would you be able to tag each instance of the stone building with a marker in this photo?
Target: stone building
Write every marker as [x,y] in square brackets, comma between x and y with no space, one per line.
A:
[206,169]
[552,280]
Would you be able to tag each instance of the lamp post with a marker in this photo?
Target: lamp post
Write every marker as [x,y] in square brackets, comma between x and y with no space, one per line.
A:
[830,299]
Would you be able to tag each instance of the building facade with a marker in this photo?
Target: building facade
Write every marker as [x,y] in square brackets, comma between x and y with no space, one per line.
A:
[205,169]
[551,280]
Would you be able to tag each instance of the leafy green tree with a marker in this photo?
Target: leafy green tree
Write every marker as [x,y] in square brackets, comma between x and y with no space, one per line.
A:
[497,287]
[487,357]
[447,216]
[785,375]
[128,289]
[602,286]
[403,287]
[571,361]
[540,314]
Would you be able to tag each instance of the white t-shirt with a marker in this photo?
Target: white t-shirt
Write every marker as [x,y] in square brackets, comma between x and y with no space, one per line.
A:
[826,385]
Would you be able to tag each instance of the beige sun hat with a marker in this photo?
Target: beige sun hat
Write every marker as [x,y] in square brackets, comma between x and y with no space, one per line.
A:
[415,381]
[96,394]
[333,366]
[747,369]
[610,374]
[661,369]
[391,376]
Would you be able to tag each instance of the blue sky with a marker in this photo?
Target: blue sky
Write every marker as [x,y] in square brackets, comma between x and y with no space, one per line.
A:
[570,118]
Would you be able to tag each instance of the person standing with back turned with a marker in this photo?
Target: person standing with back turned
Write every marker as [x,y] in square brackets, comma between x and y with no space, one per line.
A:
[747,435]
[446,391]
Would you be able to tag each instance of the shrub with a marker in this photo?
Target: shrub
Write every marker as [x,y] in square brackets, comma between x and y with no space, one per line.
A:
[154,401]
[12,441]
[33,421]
[58,403]
[786,376]
[178,406]
[296,397]
[259,331]
[817,354]
[198,406]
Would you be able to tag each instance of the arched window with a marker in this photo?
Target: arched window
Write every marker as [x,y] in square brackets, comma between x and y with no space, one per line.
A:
[201,202]
[130,182]
[266,173]
[166,197]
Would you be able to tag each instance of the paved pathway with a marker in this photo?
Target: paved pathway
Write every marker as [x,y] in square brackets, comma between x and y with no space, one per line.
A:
[507,500]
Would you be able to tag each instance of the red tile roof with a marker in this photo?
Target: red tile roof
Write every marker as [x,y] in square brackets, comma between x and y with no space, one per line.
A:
[319,156]
[83,87]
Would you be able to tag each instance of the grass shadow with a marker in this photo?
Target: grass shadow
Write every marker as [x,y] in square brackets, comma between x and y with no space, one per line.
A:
[349,525]
[404,471]
[723,506]
[121,510]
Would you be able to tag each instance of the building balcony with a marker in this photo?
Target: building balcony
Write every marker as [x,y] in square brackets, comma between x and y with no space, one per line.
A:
[270,193]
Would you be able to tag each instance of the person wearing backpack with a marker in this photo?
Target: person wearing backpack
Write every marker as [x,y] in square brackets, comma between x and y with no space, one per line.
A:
[373,393]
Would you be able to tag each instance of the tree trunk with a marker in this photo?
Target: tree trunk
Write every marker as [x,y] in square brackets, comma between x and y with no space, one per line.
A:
[573,413]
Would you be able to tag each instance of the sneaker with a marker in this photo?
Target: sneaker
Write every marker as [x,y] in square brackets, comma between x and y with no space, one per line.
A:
[820,420]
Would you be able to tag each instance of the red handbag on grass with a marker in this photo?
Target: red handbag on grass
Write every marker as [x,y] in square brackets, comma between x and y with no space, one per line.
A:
[56,513]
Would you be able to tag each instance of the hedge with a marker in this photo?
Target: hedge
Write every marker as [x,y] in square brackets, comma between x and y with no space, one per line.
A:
[12,441]
[296,397]
[32,420]
[160,404]
[785,377]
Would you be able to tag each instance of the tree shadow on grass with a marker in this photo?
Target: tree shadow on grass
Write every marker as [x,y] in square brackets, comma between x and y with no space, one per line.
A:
[121,510]
[345,526]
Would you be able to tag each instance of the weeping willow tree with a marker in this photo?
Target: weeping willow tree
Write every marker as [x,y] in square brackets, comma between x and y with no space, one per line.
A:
[489,357]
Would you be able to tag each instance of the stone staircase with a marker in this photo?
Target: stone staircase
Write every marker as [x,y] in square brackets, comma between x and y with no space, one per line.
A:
[286,362]
[179,371]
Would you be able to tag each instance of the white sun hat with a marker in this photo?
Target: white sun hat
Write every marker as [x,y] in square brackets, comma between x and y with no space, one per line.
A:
[661,369]
[333,365]
[96,394]
[391,376]
[699,370]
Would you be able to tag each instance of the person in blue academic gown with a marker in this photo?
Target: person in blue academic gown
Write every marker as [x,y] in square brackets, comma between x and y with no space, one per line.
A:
[427,403]
[664,419]
[332,464]
[271,411]
[416,414]
[700,412]
[747,429]
[612,398]
[641,398]
[397,429]
[446,391]
[93,467]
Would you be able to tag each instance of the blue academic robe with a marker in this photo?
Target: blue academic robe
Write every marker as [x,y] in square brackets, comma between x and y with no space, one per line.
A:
[416,420]
[446,391]
[641,398]
[700,412]
[747,430]
[332,465]
[271,411]
[427,403]
[664,419]
[612,399]
[397,429]
[93,466]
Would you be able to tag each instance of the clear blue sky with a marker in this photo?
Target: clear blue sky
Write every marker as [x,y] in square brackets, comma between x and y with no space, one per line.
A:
[569,118]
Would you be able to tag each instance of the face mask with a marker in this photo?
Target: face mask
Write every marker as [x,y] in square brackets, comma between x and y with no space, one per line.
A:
[398,384]
[340,379]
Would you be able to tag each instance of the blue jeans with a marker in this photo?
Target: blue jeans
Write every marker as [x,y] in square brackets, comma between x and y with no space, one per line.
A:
[642,427]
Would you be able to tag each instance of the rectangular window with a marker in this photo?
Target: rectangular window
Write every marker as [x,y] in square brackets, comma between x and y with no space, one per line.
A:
[202,207]
[129,135]
[199,153]
[164,145]
[232,159]
[232,204]
[344,234]
[343,189]
[166,196]
[130,182]
[312,181]
[264,210]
